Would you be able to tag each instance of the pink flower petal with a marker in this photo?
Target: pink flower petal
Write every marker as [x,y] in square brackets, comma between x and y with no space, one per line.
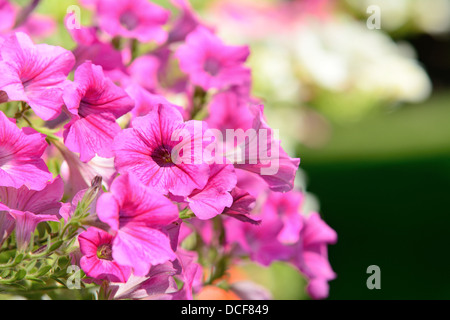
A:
[148,147]
[215,196]
[20,156]
[137,214]
[35,74]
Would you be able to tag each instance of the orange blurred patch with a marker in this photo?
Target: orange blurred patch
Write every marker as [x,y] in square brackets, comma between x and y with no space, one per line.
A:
[215,293]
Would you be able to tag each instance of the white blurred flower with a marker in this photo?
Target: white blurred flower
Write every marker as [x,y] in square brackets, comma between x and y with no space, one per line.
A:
[343,54]
[430,16]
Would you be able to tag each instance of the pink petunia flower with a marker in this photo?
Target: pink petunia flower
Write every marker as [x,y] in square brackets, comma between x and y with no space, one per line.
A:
[20,156]
[97,260]
[224,107]
[144,71]
[156,285]
[34,74]
[164,152]
[287,207]
[146,101]
[259,242]
[265,156]
[137,216]
[189,272]
[29,207]
[91,48]
[78,175]
[315,237]
[87,198]
[210,63]
[38,26]
[80,34]
[186,22]
[7,16]
[249,143]
[7,224]
[285,234]
[160,284]
[94,103]
[278,234]
[138,19]
[242,206]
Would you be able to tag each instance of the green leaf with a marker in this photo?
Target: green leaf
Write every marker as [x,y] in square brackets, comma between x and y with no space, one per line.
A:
[63,262]
[5,273]
[59,273]
[32,278]
[20,275]
[56,245]
[43,271]
[31,265]
[19,258]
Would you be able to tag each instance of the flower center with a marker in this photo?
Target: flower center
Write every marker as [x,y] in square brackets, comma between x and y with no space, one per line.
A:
[212,66]
[104,252]
[129,20]
[162,156]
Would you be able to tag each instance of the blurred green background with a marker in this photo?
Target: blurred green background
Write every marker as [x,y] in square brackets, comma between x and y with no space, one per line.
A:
[384,187]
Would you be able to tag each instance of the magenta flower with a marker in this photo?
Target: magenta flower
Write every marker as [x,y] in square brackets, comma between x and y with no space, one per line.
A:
[254,145]
[29,207]
[210,63]
[97,261]
[91,48]
[78,175]
[268,160]
[38,26]
[144,72]
[224,107]
[286,235]
[160,284]
[20,156]
[34,74]
[278,234]
[156,285]
[7,16]
[189,272]
[80,34]
[146,101]
[86,197]
[242,206]
[260,242]
[94,103]
[152,150]
[138,19]
[137,216]
[186,22]
[215,196]
[287,207]
[7,224]
[315,237]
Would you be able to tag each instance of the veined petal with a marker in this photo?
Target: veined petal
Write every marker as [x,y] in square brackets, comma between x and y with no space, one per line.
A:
[20,156]
[215,196]
[26,223]
[139,247]
[37,73]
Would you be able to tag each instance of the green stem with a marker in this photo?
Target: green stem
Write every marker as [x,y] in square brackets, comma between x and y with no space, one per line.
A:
[199,103]
[186,214]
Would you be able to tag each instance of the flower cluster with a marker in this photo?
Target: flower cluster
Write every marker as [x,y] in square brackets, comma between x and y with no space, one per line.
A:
[152,199]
